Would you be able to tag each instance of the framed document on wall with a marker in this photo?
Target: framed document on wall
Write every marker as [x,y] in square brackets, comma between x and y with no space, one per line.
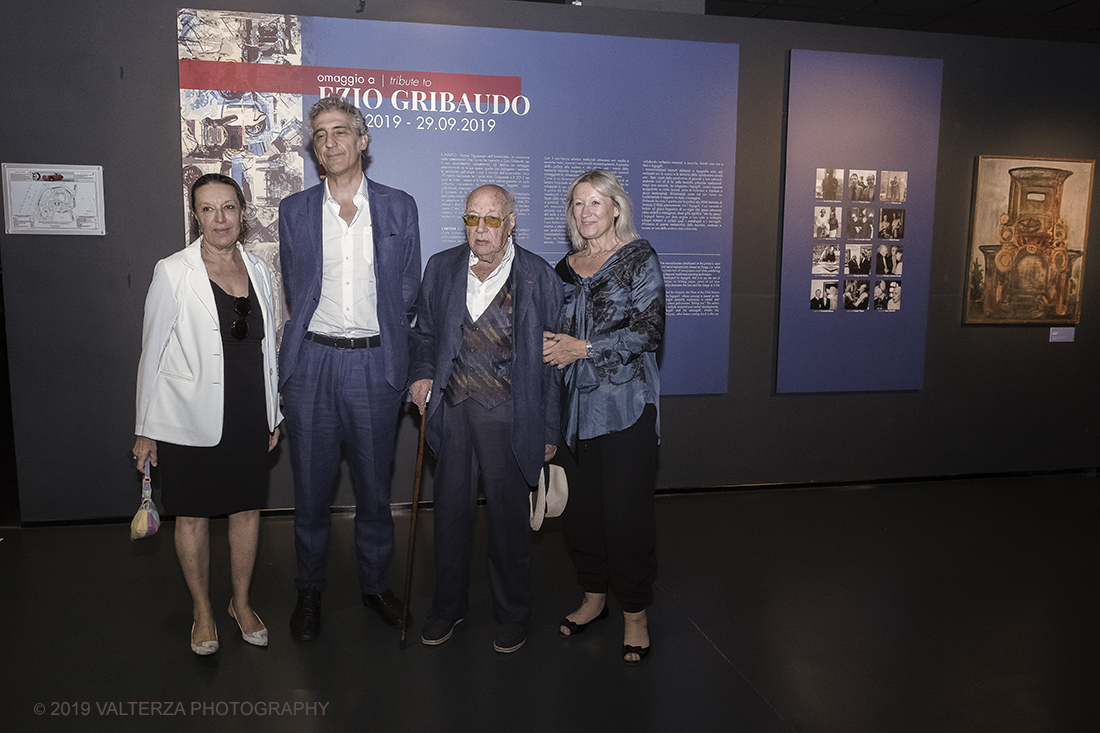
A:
[53,199]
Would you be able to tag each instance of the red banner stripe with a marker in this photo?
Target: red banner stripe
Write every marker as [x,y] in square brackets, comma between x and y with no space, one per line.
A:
[240,77]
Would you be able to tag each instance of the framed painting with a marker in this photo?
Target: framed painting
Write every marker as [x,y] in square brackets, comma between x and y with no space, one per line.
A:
[1027,240]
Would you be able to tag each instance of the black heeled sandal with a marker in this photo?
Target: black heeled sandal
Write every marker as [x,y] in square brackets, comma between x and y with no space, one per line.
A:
[641,651]
[575,628]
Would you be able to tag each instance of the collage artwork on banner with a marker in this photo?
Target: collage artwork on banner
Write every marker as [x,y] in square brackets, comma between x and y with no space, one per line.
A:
[450,108]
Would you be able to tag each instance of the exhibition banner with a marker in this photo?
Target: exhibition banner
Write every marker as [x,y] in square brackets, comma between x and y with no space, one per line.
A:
[860,182]
[451,108]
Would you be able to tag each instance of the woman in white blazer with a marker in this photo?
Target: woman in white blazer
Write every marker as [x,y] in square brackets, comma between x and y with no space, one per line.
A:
[207,399]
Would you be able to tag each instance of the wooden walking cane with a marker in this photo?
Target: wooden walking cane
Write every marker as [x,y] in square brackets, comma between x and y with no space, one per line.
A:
[412,528]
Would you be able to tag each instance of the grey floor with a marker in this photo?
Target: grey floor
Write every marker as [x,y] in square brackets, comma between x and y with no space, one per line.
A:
[962,605]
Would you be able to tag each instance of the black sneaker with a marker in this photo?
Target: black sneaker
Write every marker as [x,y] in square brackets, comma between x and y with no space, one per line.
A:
[438,630]
[509,637]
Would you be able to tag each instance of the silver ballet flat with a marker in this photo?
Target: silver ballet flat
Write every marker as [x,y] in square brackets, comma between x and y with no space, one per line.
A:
[256,638]
[204,648]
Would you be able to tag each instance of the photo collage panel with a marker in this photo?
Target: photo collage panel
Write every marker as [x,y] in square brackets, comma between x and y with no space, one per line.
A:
[858,239]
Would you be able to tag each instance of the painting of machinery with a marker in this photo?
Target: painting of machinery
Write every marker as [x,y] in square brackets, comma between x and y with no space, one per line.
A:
[1032,273]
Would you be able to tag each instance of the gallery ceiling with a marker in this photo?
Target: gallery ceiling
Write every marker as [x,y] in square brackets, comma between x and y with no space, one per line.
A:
[1050,20]
[1077,21]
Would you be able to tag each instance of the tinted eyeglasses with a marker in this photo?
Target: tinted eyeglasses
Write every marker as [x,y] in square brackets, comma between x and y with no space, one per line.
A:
[493,222]
[242,308]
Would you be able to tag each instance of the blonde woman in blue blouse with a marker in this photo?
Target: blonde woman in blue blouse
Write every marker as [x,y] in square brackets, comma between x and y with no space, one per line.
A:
[612,322]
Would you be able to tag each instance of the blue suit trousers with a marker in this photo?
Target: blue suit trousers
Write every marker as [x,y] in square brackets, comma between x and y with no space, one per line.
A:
[339,401]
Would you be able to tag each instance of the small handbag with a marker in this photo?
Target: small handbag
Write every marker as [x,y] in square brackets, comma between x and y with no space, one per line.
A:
[147,520]
[548,499]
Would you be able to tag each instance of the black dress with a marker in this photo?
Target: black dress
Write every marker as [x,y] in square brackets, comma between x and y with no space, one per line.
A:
[231,476]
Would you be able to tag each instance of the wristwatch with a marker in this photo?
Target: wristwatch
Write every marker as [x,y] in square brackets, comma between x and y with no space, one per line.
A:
[588,349]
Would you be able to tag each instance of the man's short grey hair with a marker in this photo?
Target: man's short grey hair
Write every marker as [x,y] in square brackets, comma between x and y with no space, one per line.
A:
[339,104]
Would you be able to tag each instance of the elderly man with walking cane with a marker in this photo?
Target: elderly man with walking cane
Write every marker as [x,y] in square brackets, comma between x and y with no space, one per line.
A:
[493,411]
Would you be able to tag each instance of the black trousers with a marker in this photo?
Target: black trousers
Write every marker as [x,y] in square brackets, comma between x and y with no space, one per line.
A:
[610,524]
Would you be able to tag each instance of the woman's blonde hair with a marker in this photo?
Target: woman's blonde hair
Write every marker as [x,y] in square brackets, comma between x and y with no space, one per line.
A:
[606,184]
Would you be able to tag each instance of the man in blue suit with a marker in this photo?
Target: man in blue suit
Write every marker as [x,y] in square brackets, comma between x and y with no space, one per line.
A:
[492,407]
[349,250]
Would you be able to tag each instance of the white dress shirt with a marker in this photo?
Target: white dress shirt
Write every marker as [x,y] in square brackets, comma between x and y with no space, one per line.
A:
[479,294]
[349,291]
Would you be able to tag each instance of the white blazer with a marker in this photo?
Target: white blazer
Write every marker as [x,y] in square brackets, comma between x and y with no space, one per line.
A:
[180,394]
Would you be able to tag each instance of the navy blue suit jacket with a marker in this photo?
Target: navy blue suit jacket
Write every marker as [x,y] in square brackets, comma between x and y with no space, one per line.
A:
[441,309]
[395,224]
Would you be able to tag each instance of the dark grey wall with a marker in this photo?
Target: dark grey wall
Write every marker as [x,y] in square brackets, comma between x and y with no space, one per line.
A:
[100,87]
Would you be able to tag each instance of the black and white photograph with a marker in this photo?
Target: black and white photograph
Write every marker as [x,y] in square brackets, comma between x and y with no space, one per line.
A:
[857,259]
[895,260]
[891,224]
[824,295]
[856,295]
[861,185]
[826,259]
[817,295]
[884,261]
[888,295]
[828,186]
[893,186]
[859,223]
[879,298]
[826,222]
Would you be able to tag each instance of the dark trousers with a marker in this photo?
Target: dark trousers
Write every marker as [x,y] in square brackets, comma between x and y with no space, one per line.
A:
[610,523]
[340,399]
[478,443]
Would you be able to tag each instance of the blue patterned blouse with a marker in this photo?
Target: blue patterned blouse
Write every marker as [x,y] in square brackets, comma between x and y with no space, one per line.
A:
[621,310]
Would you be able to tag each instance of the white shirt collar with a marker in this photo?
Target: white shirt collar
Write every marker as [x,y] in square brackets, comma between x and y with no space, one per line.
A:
[505,262]
[361,192]
[480,293]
